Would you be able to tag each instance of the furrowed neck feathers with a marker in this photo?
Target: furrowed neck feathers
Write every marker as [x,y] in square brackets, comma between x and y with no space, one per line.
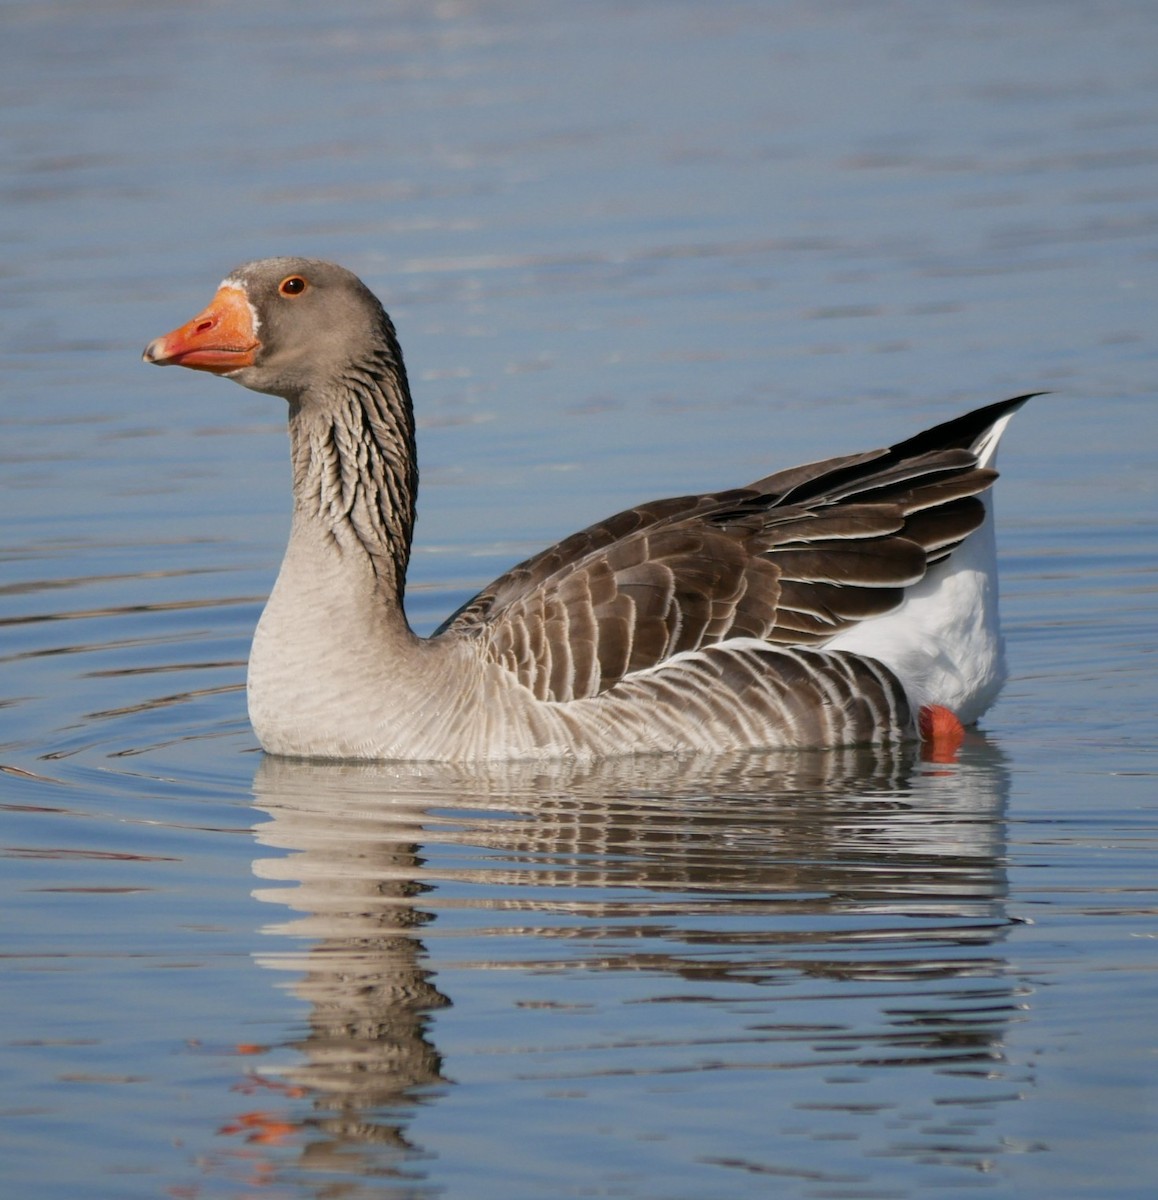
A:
[354,466]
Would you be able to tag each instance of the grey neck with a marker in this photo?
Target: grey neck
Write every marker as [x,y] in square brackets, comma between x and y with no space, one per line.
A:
[355,473]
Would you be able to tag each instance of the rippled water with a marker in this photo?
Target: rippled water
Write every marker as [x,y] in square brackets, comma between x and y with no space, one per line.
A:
[632,249]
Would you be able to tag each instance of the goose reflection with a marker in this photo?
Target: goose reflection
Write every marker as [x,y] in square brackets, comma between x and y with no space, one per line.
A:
[847,865]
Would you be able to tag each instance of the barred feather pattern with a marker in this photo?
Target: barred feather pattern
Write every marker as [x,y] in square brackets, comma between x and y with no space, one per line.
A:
[788,561]
[746,693]
[355,467]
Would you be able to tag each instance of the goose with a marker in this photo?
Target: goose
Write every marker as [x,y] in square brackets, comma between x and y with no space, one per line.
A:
[852,601]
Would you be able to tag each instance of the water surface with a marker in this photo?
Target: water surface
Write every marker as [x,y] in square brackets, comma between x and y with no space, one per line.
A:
[632,250]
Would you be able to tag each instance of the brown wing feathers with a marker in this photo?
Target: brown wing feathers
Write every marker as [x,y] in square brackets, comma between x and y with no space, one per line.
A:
[790,560]
[631,605]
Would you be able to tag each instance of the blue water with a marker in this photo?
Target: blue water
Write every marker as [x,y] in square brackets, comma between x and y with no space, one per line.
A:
[632,250]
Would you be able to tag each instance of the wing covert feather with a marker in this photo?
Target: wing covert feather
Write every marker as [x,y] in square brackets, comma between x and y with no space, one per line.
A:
[792,560]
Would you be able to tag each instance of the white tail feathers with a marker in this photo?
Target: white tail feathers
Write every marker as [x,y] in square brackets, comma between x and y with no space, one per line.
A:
[944,642]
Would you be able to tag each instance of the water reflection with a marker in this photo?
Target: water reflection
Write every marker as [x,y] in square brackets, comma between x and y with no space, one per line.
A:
[357,870]
[862,878]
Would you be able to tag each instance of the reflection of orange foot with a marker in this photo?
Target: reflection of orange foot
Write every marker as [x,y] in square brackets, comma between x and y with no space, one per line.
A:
[941,732]
[262,1128]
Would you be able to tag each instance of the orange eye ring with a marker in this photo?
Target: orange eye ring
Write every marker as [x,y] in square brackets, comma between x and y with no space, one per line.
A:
[292,285]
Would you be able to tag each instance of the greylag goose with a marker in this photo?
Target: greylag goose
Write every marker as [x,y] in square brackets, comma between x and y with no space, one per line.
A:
[850,601]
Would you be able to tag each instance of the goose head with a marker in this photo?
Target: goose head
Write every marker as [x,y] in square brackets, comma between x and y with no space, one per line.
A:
[292,327]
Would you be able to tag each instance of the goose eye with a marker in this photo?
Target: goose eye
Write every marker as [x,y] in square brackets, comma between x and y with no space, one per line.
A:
[294,285]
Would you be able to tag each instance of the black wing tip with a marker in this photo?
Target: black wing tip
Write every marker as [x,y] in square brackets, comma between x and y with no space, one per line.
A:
[963,432]
[994,412]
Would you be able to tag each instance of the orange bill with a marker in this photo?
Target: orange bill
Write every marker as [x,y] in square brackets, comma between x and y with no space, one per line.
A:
[222,339]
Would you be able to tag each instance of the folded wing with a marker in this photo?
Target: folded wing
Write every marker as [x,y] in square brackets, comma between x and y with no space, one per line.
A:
[791,560]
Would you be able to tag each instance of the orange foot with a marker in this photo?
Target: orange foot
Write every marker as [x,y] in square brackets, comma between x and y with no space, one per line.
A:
[262,1128]
[942,733]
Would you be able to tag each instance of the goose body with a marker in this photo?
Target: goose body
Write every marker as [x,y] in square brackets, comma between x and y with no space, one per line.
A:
[831,604]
